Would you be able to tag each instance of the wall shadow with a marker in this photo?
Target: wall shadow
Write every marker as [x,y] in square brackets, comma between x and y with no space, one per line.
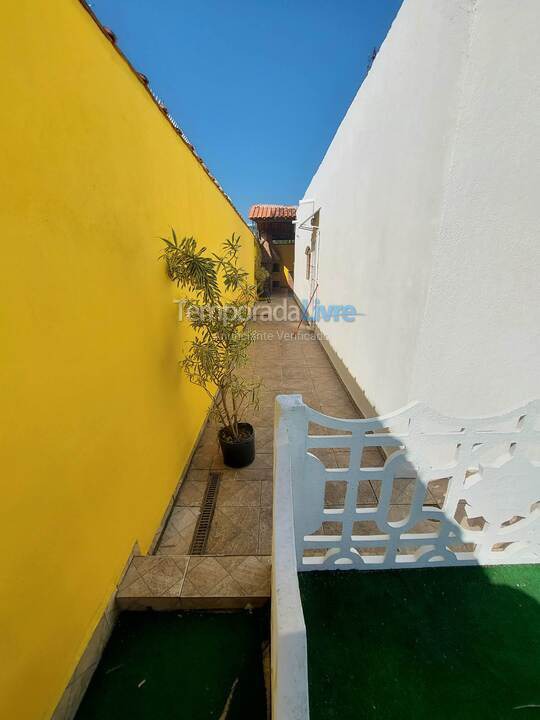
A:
[438,642]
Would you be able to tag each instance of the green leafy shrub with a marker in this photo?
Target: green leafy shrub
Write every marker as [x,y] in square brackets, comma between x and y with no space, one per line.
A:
[220,298]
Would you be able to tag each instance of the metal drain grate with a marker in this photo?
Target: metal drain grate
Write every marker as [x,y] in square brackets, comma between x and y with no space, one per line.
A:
[200,536]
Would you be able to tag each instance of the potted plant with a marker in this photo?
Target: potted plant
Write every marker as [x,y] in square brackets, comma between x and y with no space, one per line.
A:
[220,297]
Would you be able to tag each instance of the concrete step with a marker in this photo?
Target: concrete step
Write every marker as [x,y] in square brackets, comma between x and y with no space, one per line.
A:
[195,582]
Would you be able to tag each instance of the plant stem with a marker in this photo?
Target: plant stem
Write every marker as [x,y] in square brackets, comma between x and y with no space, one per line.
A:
[216,405]
[235,411]
[231,424]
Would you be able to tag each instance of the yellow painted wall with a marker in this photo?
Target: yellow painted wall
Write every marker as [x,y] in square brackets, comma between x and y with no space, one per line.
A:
[286,254]
[97,422]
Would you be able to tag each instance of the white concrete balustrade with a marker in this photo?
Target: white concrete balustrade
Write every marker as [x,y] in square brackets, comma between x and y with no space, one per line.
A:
[467,491]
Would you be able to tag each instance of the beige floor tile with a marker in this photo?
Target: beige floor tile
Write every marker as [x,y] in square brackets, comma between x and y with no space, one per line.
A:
[366,550]
[264,417]
[197,474]
[267,396]
[227,577]
[203,576]
[154,576]
[267,367]
[218,464]
[295,374]
[314,360]
[271,371]
[367,527]
[263,461]
[371,457]
[325,455]
[305,388]
[328,384]
[251,473]
[234,493]
[192,491]
[400,512]
[321,374]
[297,361]
[366,495]
[203,457]
[178,533]
[316,429]
[165,578]
[334,496]
[328,527]
[334,399]
[339,409]
[209,437]
[228,474]
[268,383]
[253,575]
[228,587]
[266,493]
[343,457]
[265,532]
[311,400]
[264,439]
[234,531]
[438,490]
[402,492]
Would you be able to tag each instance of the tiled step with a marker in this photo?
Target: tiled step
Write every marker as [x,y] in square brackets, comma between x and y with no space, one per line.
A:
[195,582]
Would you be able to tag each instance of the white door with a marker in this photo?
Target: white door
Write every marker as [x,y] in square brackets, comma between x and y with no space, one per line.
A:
[314,265]
[306,252]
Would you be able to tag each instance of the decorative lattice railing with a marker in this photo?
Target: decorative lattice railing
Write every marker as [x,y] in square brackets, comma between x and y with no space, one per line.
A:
[414,488]
[411,489]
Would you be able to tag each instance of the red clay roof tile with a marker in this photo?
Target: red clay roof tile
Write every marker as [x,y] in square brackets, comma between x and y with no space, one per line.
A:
[272,212]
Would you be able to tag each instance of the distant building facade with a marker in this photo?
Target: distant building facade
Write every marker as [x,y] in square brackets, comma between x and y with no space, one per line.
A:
[275,231]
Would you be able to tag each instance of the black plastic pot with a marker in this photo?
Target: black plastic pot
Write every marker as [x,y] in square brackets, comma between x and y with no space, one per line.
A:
[238,453]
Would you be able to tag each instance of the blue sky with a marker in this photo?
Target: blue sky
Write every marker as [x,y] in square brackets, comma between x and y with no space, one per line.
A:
[260,86]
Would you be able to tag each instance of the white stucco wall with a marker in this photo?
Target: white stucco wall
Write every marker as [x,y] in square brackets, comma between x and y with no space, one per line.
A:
[428,218]
[481,328]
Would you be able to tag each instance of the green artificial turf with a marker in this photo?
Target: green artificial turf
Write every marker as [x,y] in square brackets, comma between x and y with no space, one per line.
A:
[180,666]
[437,643]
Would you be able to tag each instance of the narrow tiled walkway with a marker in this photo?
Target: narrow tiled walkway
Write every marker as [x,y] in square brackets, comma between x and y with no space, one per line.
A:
[236,563]
[237,559]
[242,523]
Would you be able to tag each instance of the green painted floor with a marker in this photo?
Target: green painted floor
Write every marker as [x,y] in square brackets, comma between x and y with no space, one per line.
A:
[441,643]
[180,666]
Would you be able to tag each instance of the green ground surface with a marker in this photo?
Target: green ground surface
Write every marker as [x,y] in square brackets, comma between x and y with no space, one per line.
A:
[188,662]
[437,643]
